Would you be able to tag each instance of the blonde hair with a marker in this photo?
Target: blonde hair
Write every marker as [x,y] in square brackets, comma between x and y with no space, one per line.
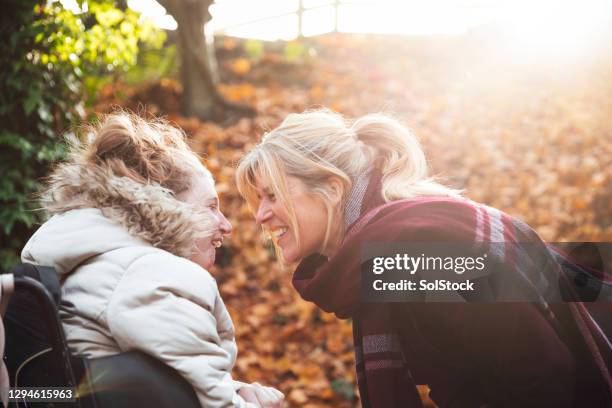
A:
[316,145]
[144,150]
[133,169]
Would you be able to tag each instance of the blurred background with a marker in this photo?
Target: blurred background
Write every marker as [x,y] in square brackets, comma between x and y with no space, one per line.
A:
[512,101]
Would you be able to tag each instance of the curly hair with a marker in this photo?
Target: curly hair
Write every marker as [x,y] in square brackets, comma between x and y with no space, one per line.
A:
[133,169]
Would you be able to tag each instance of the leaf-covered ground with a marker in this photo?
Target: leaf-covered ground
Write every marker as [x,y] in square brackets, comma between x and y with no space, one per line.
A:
[532,137]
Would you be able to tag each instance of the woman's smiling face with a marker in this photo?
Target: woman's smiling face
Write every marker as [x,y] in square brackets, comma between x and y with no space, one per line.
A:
[203,195]
[310,214]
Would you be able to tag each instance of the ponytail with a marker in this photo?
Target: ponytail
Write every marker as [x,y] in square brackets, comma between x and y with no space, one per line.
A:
[396,152]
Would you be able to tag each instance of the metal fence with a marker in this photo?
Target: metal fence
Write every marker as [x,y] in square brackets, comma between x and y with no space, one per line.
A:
[302,7]
[389,15]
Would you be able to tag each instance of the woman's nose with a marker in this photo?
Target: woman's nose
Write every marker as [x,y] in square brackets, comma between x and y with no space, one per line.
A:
[224,225]
[264,213]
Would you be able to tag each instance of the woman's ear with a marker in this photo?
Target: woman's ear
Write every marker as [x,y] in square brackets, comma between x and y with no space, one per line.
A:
[336,190]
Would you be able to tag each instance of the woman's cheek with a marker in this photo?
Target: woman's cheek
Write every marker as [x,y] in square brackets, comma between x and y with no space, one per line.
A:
[204,254]
[290,249]
[202,244]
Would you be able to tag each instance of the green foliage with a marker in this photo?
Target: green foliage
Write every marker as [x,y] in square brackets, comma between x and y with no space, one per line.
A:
[153,64]
[49,53]
[254,49]
[294,51]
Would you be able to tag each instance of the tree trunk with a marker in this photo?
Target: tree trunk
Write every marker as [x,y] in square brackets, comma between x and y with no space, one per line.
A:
[200,96]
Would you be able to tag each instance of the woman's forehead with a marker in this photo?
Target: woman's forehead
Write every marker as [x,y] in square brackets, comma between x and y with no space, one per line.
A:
[261,181]
[287,183]
[204,187]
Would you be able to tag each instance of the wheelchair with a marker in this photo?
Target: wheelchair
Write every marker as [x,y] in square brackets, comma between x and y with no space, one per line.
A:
[36,354]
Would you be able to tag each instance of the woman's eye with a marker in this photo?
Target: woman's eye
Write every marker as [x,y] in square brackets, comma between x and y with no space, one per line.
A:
[271,197]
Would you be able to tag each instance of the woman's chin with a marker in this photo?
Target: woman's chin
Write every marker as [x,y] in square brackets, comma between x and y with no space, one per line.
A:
[205,260]
[290,255]
[211,261]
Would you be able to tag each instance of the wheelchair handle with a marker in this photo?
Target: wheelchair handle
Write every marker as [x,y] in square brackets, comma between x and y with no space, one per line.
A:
[7,287]
[54,325]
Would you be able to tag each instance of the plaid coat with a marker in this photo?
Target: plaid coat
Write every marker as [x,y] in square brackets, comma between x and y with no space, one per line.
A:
[470,354]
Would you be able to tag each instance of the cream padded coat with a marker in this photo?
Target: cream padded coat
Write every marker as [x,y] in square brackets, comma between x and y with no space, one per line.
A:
[121,293]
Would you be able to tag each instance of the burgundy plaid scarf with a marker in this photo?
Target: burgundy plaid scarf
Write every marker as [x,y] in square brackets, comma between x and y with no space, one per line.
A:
[334,284]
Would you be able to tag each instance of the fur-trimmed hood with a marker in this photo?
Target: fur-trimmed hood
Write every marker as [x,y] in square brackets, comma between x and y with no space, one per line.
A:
[69,239]
[149,213]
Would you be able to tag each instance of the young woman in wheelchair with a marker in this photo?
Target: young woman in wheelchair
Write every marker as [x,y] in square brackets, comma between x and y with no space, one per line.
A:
[136,222]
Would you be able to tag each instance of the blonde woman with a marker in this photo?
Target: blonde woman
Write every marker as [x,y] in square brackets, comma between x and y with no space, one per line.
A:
[322,187]
[136,222]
